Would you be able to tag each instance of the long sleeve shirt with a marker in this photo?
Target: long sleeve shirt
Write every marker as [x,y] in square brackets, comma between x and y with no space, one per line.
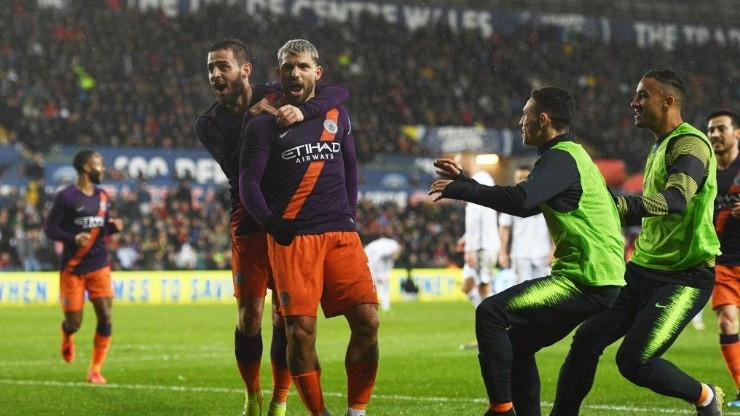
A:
[220,132]
[308,172]
[554,179]
[74,212]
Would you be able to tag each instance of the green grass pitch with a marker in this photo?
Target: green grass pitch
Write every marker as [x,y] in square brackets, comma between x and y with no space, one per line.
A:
[178,360]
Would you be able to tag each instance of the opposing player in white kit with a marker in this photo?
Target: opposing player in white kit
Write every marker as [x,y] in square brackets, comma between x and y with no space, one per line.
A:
[481,239]
[381,255]
[481,242]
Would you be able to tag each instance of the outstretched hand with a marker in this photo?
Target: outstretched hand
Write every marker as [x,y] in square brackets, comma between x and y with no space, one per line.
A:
[438,187]
[448,168]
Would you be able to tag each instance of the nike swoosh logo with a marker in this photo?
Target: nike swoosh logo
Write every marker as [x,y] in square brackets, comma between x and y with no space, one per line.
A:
[658,305]
[282,135]
[80,209]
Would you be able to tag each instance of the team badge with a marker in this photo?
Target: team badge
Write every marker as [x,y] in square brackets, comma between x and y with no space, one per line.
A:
[239,277]
[284,298]
[330,126]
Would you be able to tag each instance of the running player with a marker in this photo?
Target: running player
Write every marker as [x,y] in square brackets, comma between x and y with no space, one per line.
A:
[80,218]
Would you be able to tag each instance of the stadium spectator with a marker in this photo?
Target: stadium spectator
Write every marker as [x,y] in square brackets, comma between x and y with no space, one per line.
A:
[486,75]
[80,218]
[28,243]
[567,187]
[723,128]
[409,288]
[417,225]
[668,280]
[315,251]
[127,253]
[526,246]
[219,130]
[151,95]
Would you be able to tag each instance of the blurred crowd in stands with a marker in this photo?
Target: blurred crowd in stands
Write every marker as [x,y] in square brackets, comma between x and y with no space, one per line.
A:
[97,73]
[177,233]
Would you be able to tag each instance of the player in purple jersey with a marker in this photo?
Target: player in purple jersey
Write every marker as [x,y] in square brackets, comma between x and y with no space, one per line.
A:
[723,129]
[219,130]
[80,218]
[309,174]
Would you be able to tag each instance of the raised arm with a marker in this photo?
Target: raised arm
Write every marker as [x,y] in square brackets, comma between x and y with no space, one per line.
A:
[554,174]
[327,96]
[687,162]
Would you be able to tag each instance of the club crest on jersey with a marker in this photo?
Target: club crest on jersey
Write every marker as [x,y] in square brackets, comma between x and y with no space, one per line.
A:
[239,277]
[284,298]
[331,126]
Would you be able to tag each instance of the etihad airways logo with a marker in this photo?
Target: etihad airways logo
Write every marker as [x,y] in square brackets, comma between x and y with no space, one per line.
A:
[312,151]
[88,223]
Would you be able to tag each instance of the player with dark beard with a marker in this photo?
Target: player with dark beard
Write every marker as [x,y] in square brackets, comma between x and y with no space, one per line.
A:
[219,130]
[80,218]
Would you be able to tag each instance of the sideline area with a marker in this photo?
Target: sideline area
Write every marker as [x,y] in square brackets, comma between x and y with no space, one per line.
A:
[202,287]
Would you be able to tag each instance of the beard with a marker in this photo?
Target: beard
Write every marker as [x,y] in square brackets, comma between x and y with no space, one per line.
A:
[307,91]
[237,89]
[96,177]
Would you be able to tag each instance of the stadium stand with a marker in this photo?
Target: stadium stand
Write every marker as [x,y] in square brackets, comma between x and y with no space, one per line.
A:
[103,74]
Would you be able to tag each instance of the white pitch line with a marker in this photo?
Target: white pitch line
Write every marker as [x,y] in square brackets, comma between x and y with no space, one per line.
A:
[120,358]
[190,389]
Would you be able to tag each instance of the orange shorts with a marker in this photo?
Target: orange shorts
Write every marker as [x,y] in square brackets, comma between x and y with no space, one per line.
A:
[250,265]
[726,286]
[328,269]
[72,288]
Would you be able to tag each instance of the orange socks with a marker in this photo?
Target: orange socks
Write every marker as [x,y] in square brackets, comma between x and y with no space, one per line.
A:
[281,380]
[67,336]
[501,407]
[101,344]
[731,354]
[251,375]
[309,388]
[360,383]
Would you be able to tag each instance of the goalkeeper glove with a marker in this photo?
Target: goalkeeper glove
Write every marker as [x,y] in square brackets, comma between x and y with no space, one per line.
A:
[283,231]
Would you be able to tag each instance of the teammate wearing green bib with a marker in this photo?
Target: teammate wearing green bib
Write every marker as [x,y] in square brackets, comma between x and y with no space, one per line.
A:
[588,264]
[671,274]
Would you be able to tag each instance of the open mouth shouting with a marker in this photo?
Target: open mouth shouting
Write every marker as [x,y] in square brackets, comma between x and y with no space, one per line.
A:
[296,89]
[219,87]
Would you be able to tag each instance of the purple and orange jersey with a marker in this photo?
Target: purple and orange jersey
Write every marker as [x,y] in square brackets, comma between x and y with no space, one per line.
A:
[72,213]
[727,226]
[308,172]
[220,132]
